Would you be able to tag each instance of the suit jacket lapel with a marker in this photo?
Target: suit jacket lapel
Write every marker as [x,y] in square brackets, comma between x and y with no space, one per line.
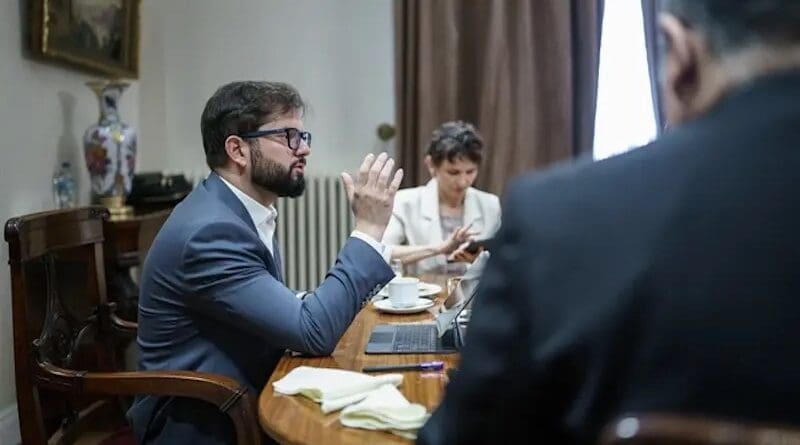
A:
[472,212]
[429,211]
[276,257]
[220,190]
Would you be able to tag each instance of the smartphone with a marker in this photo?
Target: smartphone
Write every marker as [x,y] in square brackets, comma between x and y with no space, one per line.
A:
[475,245]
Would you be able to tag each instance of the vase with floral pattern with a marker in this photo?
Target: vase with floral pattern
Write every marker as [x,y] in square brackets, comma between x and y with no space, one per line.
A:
[110,145]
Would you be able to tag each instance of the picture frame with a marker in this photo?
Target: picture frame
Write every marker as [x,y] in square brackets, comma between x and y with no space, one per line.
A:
[97,36]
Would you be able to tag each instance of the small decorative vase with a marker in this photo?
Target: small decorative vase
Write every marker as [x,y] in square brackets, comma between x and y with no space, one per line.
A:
[110,148]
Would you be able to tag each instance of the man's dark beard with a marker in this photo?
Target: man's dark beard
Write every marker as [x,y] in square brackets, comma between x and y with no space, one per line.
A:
[273,177]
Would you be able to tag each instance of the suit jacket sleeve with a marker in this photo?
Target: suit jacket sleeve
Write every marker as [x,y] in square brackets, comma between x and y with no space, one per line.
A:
[227,280]
[487,400]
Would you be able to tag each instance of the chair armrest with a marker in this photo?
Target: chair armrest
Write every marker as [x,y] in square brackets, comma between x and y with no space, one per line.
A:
[123,327]
[224,392]
[110,321]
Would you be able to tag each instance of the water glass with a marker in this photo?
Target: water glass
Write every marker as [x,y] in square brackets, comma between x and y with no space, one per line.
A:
[397,267]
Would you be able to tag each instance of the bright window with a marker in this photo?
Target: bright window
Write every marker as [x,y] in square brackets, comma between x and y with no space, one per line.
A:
[625,117]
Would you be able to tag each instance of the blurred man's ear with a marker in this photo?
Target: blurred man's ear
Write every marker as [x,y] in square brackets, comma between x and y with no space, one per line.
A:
[681,75]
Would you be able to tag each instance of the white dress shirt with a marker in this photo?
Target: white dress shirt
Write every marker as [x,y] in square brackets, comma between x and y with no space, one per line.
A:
[264,218]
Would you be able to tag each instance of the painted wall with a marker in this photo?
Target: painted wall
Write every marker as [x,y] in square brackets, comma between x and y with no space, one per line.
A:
[44,110]
[339,54]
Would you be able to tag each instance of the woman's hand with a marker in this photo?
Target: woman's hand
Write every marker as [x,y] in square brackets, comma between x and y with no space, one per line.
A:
[459,236]
[461,255]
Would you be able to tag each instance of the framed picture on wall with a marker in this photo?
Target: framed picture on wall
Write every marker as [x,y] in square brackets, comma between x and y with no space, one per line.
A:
[99,36]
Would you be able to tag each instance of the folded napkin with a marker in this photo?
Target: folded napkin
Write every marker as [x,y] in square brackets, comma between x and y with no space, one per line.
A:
[333,388]
[386,409]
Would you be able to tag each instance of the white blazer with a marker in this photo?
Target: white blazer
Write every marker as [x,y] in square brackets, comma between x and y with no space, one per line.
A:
[415,219]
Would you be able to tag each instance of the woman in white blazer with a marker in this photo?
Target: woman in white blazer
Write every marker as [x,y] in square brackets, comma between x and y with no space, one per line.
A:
[431,223]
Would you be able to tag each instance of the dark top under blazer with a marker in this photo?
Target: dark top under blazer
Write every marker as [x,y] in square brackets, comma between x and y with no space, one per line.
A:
[665,279]
[210,302]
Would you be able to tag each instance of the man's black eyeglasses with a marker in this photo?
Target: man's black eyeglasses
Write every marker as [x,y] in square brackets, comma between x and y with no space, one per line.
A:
[293,136]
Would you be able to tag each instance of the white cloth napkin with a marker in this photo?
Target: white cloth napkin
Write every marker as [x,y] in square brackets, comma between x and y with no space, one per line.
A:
[386,409]
[333,388]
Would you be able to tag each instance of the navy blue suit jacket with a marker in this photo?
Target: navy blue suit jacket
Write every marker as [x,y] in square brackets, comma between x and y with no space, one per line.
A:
[210,301]
[666,279]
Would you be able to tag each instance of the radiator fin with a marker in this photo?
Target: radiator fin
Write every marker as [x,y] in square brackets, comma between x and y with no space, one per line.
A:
[311,231]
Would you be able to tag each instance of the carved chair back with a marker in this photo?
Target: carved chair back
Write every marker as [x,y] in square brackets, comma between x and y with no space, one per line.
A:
[58,300]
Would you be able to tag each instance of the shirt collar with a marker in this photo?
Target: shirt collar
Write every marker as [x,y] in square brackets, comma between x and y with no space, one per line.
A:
[258,212]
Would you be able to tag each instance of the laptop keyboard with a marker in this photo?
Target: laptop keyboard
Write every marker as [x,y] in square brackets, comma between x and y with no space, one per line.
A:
[414,338]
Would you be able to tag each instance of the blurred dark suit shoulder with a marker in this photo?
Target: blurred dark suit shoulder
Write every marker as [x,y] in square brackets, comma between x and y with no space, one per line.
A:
[665,279]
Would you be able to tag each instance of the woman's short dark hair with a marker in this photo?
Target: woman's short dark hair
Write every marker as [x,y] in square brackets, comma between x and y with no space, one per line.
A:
[453,140]
[241,107]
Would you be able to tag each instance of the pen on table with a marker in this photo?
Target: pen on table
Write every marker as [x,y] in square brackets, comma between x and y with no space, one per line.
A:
[425,366]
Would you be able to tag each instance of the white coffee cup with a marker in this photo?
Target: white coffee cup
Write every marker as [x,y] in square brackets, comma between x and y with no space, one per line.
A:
[403,291]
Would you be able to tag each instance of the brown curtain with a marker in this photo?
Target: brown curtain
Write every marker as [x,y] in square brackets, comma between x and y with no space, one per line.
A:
[523,71]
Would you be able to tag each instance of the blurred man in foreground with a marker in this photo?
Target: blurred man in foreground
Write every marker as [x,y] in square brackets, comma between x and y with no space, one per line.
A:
[663,280]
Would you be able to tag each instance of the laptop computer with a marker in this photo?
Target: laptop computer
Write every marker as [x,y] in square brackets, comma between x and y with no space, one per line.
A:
[441,336]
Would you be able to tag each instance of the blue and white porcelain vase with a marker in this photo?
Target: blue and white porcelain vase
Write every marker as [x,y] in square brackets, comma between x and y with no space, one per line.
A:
[110,145]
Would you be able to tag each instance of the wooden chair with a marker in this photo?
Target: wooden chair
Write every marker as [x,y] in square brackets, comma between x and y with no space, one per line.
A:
[127,240]
[65,330]
[671,429]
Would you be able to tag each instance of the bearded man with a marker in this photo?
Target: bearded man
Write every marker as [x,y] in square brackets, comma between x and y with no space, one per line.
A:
[212,293]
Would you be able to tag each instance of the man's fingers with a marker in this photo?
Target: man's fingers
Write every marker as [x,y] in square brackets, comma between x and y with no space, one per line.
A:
[395,184]
[376,168]
[386,171]
[363,171]
[349,187]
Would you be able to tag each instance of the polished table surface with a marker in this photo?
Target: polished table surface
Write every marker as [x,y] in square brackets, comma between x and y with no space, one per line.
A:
[298,420]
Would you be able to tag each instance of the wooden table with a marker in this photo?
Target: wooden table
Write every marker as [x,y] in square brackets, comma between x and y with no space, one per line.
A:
[298,420]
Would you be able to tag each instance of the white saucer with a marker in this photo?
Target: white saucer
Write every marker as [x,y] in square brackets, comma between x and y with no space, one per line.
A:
[425,290]
[419,306]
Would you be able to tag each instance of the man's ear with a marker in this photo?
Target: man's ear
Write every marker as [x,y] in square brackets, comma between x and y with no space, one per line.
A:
[680,65]
[238,151]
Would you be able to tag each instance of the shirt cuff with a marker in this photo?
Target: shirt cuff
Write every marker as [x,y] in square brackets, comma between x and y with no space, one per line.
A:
[383,250]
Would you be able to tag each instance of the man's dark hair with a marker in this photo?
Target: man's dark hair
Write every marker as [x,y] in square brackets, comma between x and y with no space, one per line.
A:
[732,25]
[453,140]
[241,107]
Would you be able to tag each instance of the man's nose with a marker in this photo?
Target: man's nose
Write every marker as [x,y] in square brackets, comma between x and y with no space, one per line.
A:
[303,150]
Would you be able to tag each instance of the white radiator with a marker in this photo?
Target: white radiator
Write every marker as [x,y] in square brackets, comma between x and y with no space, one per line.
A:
[311,231]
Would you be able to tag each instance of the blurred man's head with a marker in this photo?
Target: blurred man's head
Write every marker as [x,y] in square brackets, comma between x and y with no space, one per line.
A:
[714,45]
[254,131]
